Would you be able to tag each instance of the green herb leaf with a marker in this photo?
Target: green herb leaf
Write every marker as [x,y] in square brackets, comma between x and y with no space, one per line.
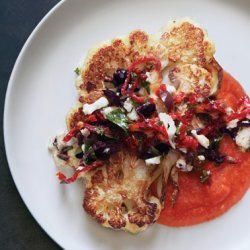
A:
[89,153]
[88,144]
[205,176]
[78,151]
[77,71]
[159,123]
[216,142]
[66,149]
[99,131]
[119,118]
[146,86]
[133,76]
[154,151]
[192,106]
[111,137]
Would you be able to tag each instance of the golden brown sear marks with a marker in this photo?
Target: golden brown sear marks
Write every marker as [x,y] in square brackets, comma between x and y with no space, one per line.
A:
[187,43]
[118,195]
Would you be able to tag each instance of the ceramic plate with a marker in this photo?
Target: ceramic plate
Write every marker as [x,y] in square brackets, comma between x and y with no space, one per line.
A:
[41,91]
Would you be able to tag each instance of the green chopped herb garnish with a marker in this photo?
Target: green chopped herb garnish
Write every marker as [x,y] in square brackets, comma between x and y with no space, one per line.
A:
[154,151]
[159,123]
[66,149]
[100,131]
[205,176]
[77,71]
[192,106]
[78,151]
[216,142]
[119,118]
[111,137]
[146,86]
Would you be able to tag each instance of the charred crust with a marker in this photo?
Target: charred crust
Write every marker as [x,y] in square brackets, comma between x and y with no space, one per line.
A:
[144,215]
[76,117]
[183,38]
[90,207]
[117,221]
[138,37]
[105,60]
[97,178]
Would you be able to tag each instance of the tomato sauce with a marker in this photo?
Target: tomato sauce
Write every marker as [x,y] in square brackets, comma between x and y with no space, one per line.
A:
[199,202]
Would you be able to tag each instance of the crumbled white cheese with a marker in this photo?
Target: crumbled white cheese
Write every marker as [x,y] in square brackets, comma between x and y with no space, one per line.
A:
[233,123]
[169,124]
[106,150]
[184,150]
[171,89]
[108,110]
[154,160]
[201,157]
[202,139]
[80,168]
[182,107]
[243,138]
[200,99]
[83,147]
[133,116]
[98,104]
[183,166]
[128,105]
[85,132]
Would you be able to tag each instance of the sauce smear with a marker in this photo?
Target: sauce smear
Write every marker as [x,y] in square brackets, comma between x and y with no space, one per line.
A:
[199,202]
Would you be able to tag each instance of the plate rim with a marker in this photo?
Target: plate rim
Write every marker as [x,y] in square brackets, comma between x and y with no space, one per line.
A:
[8,93]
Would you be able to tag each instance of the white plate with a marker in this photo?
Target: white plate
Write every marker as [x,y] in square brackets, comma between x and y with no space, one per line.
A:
[41,91]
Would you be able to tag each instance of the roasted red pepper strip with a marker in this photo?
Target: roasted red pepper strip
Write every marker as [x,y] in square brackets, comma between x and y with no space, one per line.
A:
[70,135]
[150,125]
[186,141]
[179,98]
[135,64]
[139,99]
[91,118]
[159,128]
[243,111]
[74,177]
[140,126]
[214,106]
[131,142]
[162,87]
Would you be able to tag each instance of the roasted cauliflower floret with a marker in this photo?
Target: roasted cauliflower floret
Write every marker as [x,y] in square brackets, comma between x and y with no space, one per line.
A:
[118,195]
[189,78]
[191,58]
[186,43]
[103,60]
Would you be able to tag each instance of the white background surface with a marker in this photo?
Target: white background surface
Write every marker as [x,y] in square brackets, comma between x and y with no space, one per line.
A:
[41,91]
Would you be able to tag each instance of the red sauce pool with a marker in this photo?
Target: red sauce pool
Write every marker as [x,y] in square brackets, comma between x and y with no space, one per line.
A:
[199,202]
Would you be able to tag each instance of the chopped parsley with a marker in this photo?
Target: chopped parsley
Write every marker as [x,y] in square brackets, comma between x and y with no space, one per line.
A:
[77,71]
[119,118]
[146,86]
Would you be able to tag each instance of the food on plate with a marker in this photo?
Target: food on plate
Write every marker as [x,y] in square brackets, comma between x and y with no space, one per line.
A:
[156,133]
